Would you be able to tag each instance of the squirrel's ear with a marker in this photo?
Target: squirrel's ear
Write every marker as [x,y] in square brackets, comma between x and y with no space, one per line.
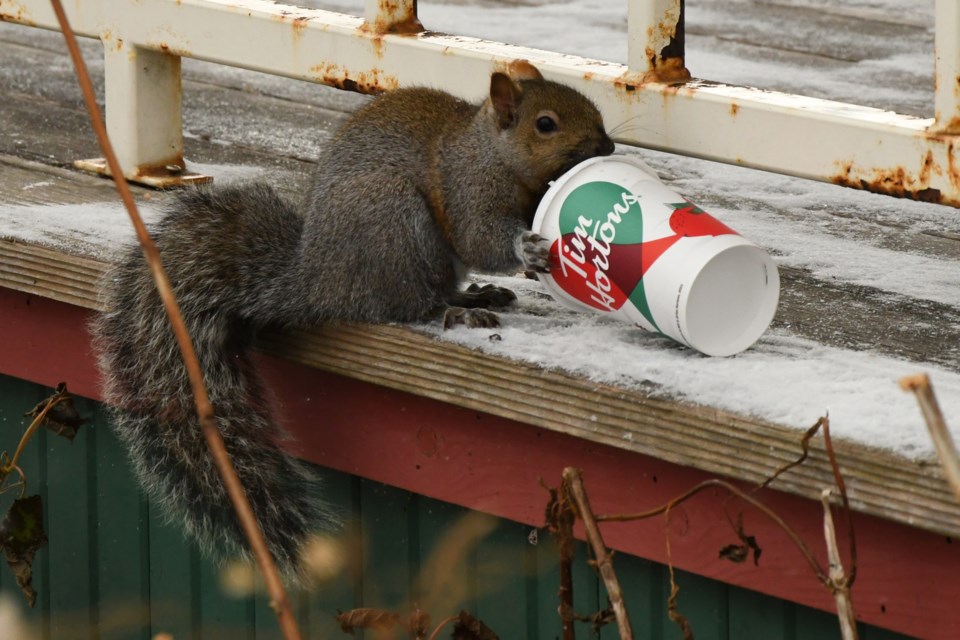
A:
[523,70]
[505,98]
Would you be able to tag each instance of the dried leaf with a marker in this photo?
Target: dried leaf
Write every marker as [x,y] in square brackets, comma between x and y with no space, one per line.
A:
[375,619]
[736,553]
[748,541]
[22,535]
[470,628]
[62,418]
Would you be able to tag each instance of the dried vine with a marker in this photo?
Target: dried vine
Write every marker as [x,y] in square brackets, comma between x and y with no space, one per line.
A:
[570,501]
[278,598]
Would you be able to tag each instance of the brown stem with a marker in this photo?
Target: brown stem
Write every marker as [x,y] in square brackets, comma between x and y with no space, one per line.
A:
[842,487]
[436,632]
[942,441]
[839,582]
[37,421]
[713,482]
[279,601]
[574,481]
[672,612]
[805,451]
[561,517]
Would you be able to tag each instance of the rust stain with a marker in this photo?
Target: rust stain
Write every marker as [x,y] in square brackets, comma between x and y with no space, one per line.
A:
[672,74]
[168,167]
[627,82]
[115,44]
[843,177]
[377,43]
[895,181]
[953,172]
[397,18]
[163,47]
[951,128]
[20,15]
[299,24]
[734,109]
[929,167]
[670,71]
[664,49]
[373,81]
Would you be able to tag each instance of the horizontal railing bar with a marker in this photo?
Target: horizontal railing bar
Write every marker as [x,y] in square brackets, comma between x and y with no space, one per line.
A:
[857,146]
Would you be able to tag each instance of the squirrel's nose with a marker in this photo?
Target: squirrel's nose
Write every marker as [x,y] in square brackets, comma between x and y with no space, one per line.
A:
[605,146]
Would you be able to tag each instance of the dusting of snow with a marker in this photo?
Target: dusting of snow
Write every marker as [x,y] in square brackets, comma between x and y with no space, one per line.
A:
[783,379]
[96,229]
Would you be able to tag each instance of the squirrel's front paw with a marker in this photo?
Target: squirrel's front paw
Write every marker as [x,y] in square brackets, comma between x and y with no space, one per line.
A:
[534,252]
[472,318]
[487,296]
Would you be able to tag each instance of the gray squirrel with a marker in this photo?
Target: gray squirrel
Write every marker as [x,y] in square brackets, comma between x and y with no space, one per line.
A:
[413,189]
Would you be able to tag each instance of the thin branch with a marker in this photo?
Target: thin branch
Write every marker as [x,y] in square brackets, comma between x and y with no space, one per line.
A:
[9,466]
[672,612]
[573,480]
[560,519]
[804,446]
[279,601]
[842,487]
[942,440]
[439,628]
[713,482]
[839,582]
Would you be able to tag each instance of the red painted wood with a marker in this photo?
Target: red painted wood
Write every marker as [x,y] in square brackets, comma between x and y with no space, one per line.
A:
[906,580]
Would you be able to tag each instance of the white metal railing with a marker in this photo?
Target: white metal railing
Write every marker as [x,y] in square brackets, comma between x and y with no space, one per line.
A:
[847,144]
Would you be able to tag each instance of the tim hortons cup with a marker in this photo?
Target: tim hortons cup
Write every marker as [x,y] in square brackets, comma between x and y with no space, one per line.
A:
[625,244]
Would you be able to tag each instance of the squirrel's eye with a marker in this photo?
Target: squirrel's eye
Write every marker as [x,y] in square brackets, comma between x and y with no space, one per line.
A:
[546,124]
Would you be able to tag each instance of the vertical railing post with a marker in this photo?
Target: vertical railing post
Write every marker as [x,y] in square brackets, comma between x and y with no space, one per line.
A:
[947,78]
[142,105]
[655,42]
[392,16]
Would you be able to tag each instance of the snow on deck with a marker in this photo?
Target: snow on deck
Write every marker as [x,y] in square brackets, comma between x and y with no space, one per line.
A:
[904,253]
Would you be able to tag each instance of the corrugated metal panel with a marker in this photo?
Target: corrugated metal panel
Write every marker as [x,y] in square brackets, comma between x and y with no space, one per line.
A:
[114,570]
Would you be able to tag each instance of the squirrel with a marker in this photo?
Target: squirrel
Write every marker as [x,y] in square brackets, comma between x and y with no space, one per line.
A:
[413,189]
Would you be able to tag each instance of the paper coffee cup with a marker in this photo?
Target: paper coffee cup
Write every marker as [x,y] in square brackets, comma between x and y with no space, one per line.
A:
[625,244]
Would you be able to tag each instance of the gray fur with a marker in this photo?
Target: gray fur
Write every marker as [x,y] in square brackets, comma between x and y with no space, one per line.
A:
[369,248]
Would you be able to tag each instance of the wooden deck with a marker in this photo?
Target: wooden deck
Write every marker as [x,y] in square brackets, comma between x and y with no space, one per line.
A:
[258,123]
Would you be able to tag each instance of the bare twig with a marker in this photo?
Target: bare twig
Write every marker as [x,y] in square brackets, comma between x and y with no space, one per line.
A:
[759,506]
[842,487]
[439,627]
[805,447]
[672,612]
[942,440]
[839,582]
[11,465]
[278,597]
[560,518]
[573,480]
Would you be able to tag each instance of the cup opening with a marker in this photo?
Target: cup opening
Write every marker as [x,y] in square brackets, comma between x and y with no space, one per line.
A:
[732,301]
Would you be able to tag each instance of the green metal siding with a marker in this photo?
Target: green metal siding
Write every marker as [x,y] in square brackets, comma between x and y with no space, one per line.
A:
[114,570]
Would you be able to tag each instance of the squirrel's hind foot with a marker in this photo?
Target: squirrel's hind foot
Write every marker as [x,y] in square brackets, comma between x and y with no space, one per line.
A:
[471,318]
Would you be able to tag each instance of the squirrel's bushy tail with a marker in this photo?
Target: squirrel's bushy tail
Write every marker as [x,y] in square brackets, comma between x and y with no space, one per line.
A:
[223,250]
